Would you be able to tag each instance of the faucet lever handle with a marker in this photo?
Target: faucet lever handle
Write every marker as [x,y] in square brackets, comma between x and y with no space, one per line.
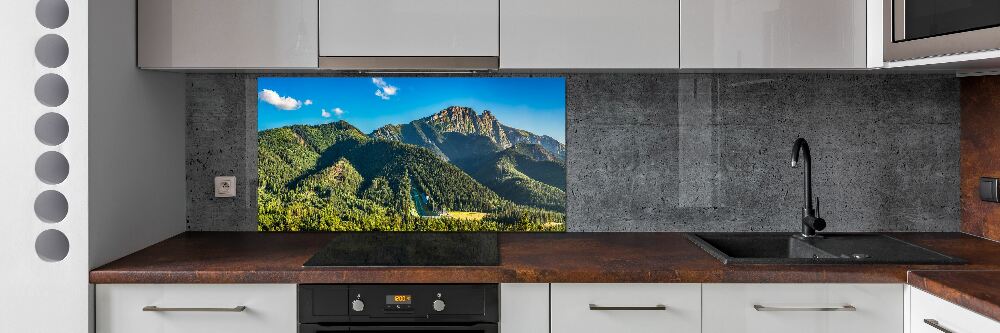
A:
[817,206]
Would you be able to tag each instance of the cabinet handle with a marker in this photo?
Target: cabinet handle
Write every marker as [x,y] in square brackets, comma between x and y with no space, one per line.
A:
[159,309]
[759,307]
[935,324]
[596,307]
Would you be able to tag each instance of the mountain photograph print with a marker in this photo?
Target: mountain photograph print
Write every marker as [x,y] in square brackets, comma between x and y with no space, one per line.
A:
[411,154]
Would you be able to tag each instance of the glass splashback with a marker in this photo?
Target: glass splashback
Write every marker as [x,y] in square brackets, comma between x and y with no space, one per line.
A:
[411,154]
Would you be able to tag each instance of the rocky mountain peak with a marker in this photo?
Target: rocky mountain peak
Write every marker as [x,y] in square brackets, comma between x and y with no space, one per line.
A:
[454,113]
[435,133]
[455,119]
[465,120]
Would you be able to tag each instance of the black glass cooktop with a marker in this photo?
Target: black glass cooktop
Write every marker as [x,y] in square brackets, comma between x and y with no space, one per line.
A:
[409,249]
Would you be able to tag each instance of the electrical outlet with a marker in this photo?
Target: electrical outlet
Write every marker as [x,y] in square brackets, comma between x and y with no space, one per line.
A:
[225,187]
[988,189]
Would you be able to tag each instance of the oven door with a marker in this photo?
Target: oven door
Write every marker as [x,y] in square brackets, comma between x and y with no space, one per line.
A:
[474,328]
[914,29]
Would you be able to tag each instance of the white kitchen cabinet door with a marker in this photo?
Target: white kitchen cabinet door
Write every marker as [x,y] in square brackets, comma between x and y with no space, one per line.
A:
[633,308]
[524,308]
[409,28]
[927,310]
[594,34]
[270,308]
[802,308]
[776,34]
[227,34]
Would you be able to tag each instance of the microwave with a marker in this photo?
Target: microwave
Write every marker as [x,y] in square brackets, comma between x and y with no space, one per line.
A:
[915,29]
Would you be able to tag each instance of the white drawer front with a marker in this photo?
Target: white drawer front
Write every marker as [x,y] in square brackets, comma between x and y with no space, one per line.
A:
[571,311]
[270,308]
[730,308]
[947,315]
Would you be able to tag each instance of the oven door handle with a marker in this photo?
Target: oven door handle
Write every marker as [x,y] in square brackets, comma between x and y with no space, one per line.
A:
[314,328]
[484,328]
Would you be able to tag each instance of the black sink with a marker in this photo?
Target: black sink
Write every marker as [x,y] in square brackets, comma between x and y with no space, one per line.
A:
[837,248]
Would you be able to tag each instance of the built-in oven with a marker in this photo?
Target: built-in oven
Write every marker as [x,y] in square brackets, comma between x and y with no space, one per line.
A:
[376,308]
[916,29]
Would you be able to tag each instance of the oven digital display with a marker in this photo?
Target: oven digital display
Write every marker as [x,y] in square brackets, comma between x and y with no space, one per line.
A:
[398,299]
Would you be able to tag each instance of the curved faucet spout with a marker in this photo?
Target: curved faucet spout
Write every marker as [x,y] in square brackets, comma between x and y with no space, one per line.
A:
[810,222]
[807,189]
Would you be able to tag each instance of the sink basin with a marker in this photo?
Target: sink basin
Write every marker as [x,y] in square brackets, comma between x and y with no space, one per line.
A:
[787,248]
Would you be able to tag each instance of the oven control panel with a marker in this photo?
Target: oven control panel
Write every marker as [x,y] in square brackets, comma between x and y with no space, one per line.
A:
[399,302]
[419,300]
[328,303]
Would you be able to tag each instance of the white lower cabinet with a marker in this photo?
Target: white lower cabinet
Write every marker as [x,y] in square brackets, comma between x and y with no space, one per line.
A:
[524,308]
[188,308]
[570,308]
[930,314]
[634,308]
[802,308]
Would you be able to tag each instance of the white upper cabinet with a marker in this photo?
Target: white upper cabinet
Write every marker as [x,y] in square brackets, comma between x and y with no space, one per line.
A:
[515,34]
[227,33]
[409,28]
[780,34]
[594,34]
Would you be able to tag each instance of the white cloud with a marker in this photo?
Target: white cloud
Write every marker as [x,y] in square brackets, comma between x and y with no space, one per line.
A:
[308,102]
[283,103]
[336,111]
[385,90]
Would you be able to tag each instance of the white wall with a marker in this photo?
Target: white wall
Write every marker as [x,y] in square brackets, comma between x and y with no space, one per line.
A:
[137,185]
[137,122]
[38,295]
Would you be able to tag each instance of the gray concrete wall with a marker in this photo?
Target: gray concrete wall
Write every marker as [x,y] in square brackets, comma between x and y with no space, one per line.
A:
[683,152]
[221,141]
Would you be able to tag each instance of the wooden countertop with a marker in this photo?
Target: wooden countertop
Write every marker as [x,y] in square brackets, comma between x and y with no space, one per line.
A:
[248,257]
[978,291]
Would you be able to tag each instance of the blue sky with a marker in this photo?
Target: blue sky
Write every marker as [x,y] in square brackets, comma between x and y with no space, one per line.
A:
[537,105]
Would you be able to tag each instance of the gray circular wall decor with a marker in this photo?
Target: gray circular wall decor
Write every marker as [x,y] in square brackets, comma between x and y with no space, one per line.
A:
[52,245]
[51,129]
[51,206]
[52,13]
[52,167]
[51,51]
[51,90]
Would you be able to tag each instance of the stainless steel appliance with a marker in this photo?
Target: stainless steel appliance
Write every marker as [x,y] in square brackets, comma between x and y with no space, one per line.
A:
[915,29]
[467,308]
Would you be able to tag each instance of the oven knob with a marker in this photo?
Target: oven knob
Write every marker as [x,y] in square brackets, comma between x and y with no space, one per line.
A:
[438,305]
[358,305]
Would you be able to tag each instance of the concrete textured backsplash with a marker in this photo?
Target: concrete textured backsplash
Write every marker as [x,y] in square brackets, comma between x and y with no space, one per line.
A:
[681,152]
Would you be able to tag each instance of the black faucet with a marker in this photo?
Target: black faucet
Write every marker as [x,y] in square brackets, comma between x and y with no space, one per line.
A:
[810,221]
